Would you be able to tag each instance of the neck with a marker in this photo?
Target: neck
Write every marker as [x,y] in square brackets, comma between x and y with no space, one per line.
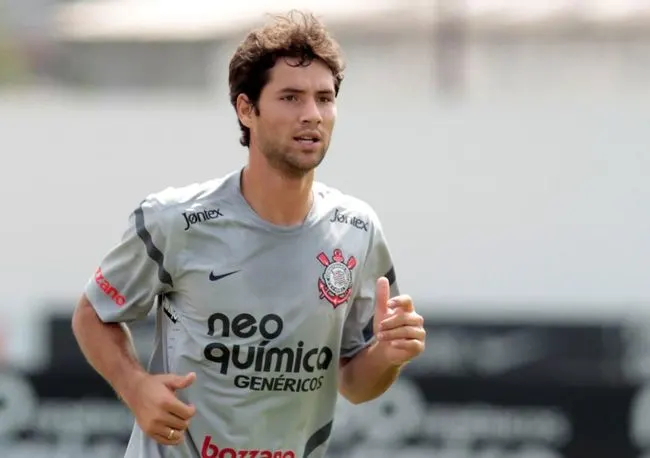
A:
[275,197]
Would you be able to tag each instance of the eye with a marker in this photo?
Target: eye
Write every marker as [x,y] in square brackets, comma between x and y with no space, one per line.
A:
[326,99]
[290,98]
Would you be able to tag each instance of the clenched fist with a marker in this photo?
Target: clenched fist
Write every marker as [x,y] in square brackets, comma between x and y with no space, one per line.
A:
[157,410]
[399,328]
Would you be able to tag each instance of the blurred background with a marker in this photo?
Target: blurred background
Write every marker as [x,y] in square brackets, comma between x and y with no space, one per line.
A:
[504,144]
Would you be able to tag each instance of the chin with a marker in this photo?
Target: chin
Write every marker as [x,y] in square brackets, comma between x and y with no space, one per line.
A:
[306,161]
[310,165]
[300,169]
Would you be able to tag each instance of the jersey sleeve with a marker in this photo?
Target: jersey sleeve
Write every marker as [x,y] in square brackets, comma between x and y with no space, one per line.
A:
[134,271]
[358,328]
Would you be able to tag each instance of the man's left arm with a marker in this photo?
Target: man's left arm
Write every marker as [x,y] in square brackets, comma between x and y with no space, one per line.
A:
[373,355]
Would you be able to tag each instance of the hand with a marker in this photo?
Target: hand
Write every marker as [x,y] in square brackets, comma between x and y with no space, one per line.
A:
[158,411]
[399,329]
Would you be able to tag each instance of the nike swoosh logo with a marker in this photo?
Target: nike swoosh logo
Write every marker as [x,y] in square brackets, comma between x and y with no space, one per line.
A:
[214,277]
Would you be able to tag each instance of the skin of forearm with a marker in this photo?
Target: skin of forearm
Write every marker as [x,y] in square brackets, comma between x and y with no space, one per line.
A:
[366,376]
[108,348]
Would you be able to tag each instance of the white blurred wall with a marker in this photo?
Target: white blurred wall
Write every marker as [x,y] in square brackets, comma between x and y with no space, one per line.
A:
[518,193]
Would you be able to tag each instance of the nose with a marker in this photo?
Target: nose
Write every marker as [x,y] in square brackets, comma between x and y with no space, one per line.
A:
[311,113]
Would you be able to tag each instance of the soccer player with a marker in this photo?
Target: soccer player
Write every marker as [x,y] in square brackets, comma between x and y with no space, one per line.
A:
[273,292]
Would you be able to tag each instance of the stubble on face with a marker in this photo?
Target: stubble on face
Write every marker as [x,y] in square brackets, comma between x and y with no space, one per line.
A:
[298,100]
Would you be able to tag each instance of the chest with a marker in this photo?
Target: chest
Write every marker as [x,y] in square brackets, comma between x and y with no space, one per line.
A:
[312,274]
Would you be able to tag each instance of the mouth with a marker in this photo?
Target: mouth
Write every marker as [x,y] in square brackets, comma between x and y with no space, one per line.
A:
[307,140]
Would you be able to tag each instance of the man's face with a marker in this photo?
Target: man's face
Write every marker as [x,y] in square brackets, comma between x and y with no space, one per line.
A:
[297,112]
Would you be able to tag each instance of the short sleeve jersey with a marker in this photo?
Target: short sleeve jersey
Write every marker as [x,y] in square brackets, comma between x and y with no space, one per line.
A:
[261,313]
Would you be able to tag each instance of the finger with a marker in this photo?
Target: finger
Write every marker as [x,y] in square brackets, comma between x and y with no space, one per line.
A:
[401,319]
[178,382]
[382,294]
[170,420]
[401,333]
[410,345]
[179,408]
[403,302]
[162,437]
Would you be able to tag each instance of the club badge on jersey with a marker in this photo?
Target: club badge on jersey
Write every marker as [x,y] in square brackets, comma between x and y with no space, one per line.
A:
[335,285]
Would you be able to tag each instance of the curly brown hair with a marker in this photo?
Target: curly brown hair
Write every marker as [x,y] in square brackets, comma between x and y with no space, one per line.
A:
[296,35]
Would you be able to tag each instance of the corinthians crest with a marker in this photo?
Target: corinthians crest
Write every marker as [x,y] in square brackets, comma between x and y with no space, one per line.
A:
[335,284]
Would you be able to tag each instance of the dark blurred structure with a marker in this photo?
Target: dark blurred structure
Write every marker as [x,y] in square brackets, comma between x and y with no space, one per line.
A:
[483,390]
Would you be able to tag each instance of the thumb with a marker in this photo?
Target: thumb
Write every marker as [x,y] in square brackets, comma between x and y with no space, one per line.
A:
[178,382]
[382,295]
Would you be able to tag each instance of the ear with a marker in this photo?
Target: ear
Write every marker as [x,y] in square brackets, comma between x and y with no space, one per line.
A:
[245,110]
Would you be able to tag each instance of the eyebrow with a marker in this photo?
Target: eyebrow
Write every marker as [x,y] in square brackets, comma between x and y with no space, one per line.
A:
[292,90]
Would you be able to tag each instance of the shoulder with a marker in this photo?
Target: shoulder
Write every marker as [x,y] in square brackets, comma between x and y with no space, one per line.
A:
[172,202]
[183,196]
[347,205]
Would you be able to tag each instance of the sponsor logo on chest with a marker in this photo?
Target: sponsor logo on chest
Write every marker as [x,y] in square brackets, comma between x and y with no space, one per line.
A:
[192,218]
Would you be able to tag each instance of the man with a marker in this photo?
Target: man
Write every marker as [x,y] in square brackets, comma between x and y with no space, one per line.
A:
[273,291]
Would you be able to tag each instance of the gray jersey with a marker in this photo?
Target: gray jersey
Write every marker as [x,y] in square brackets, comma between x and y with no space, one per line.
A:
[261,313]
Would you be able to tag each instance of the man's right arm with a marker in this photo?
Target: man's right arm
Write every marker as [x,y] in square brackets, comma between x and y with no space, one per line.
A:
[123,289]
[108,348]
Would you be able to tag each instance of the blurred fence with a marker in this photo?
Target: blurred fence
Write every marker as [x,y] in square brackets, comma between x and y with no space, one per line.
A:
[521,389]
